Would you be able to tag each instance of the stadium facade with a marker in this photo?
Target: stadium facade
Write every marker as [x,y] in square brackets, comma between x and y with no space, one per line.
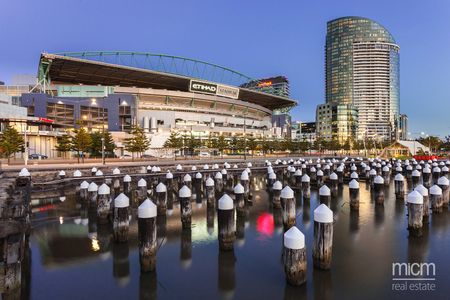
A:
[116,90]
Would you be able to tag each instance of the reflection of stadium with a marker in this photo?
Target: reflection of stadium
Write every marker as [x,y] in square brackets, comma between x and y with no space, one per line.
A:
[77,226]
[114,90]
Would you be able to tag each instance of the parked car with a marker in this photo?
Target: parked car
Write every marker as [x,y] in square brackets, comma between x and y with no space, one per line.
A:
[125,156]
[204,154]
[147,156]
[37,156]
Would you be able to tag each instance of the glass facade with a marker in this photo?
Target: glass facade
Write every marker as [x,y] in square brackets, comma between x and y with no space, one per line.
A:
[337,121]
[94,118]
[362,68]
[62,114]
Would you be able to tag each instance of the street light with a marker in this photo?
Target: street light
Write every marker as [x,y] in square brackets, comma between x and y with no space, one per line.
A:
[103,150]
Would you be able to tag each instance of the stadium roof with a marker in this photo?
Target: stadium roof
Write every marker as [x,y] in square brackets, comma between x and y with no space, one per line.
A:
[74,68]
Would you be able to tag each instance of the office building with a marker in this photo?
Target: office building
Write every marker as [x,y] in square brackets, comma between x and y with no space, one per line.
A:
[362,69]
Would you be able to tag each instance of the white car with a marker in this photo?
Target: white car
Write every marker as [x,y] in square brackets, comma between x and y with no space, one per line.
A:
[204,154]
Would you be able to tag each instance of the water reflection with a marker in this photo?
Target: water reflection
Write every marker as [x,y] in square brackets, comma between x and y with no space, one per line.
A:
[121,263]
[322,282]
[226,279]
[295,292]
[186,248]
[252,270]
[148,284]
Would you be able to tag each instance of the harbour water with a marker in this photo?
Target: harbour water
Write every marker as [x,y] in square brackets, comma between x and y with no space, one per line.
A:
[72,257]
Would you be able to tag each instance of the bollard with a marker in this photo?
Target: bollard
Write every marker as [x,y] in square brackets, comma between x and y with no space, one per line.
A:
[121,219]
[294,257]
[218,182]
[313,175]
[426,177]
[116,171]
[224,173]
[187,180]
[353,189]
[372,175]
[161,199]
[378,189]
[415,175]
[62,174]
[298,178]
[147,235]
[210,193]
[288,207]
[93,171]
[415,213]
[426,202]
[277,186]
[323,237]
[170,186]
[226,223]
[306,187]
[92,194]
[184,196]
[443,183]
[340,174]
[84,191]
[246,184]
[116,186]
[240,201]
[334,181]
[319,178]
[77,173]
[127,185]
[399,185]
[444,171]
[325,195]
[103,203]
[436,199]
[386,174]
[436,174]
[141,192]
[367,174]
[398,170]
[354,176]
[326,170]
[198,181]
[272,177]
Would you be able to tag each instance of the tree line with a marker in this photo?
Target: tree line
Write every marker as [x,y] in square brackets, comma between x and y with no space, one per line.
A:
[84,142]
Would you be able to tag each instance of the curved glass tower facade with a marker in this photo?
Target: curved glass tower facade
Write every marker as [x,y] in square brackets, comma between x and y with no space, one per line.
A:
[362,69]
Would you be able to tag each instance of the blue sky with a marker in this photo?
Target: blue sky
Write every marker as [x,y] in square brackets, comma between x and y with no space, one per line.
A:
[258,38]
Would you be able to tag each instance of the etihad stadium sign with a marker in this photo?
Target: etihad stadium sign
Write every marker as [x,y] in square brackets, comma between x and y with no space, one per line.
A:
[213,89]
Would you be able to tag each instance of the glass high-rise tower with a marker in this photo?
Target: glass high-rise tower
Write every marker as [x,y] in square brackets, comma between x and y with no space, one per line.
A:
[362,69]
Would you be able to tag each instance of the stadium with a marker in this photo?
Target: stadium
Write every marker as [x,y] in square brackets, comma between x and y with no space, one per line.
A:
[115,90]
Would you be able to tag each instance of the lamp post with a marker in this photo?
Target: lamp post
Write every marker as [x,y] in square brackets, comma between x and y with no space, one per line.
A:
[245,137]
[26,144]
[103,150]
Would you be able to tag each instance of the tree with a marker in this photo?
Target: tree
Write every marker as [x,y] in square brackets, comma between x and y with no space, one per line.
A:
[81,142]
[174,141]
[265,145]
[11,142]
[191,143]
[221,144]
[138,142]
[64,144]
[433,142]
[96,145]
[252,145]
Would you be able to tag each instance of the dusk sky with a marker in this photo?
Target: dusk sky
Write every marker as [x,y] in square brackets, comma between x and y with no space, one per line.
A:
[257,38]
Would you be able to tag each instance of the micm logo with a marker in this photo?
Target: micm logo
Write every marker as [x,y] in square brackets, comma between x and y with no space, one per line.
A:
[413,269]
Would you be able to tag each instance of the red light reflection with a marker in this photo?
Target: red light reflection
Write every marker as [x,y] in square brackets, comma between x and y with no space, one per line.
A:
[265,224]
